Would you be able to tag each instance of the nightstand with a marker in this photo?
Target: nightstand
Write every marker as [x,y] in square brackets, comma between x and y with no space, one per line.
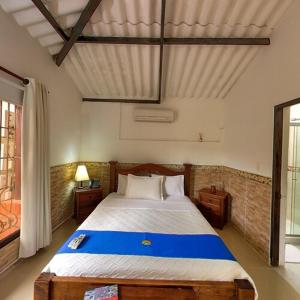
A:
[86,201]
[214,206]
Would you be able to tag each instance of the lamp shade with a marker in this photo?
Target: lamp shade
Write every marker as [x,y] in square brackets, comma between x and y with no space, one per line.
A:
[81,173]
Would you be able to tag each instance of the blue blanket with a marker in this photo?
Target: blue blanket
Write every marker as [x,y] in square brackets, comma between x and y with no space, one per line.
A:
[198,246]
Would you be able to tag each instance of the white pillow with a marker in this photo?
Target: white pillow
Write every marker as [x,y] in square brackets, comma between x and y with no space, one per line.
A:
[122,183]
[163,190]
[144,187]
[172,185]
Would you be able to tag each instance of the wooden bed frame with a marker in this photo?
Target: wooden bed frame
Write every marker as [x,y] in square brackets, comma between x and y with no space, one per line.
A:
[48,286]
[147,170]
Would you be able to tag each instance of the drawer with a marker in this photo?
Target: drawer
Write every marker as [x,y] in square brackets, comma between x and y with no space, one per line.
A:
[89,196]
[209,198]
[215,209]
[86,200]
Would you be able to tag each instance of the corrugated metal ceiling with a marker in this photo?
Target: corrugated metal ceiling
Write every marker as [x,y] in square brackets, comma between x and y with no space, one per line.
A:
[131,71]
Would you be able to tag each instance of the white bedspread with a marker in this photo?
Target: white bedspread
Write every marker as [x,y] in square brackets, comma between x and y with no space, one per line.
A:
[173,215]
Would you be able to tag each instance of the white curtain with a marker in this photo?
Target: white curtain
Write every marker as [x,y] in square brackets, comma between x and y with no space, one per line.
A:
[35,230]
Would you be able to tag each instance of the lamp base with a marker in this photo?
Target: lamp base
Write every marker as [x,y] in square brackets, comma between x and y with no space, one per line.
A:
[80,186]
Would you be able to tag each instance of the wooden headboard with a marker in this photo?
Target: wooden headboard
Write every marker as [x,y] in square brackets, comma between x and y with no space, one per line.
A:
[147,170]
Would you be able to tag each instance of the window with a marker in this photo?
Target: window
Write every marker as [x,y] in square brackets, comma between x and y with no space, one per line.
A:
[10,171]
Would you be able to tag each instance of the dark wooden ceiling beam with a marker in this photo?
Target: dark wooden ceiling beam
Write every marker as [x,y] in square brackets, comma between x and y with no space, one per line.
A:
[77,29]
[118,40]
[173,41]
[45,12]
[115,100]
[218,41]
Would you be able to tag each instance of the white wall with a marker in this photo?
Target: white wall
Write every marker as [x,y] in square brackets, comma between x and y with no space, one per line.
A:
[23,55]
[105,138]
[272,78]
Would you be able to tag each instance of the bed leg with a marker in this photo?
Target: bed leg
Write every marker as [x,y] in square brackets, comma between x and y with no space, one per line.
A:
[244,289]
[42,286]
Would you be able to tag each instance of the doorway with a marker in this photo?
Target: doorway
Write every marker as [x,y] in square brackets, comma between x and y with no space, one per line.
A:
[285,218]
[292,173]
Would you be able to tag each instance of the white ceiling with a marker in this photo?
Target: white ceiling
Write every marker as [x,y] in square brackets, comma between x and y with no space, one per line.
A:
[131,71]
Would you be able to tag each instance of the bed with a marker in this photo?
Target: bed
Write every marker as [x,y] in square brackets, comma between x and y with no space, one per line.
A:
[144,275]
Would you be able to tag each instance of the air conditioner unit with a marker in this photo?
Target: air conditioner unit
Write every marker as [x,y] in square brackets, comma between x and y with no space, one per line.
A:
[154,115]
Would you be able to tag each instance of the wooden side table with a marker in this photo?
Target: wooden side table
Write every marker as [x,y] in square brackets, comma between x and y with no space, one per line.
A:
[214,206]
[86,201]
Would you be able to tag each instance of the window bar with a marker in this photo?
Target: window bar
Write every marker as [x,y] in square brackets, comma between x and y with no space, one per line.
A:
[17,170]
[13,161]
[7,145]
[0,145]
[11,156]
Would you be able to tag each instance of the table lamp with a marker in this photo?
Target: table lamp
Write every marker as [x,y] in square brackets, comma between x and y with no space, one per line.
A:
[81,174]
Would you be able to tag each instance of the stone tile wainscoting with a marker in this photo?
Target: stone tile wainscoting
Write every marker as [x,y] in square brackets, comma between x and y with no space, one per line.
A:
[61,189]
[251,197]
[250,203]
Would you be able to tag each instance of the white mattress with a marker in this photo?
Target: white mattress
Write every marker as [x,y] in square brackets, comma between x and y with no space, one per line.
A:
[173,215]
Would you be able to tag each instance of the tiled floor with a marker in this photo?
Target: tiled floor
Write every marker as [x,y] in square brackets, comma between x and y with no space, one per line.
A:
[17,283]
[292,253]
[291,272]
[269,281]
